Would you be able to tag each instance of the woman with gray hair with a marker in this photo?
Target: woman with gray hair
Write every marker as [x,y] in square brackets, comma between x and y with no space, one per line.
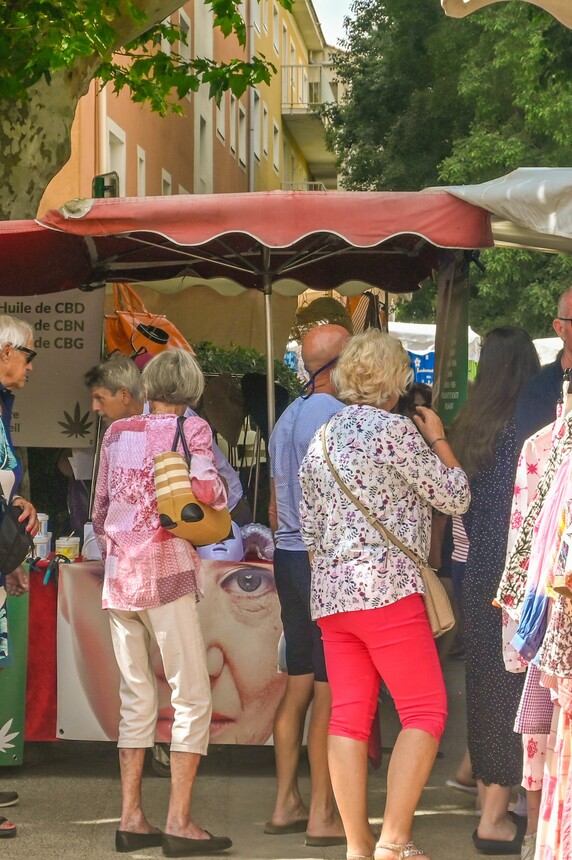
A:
[152,583]
[366,593]
[16,356]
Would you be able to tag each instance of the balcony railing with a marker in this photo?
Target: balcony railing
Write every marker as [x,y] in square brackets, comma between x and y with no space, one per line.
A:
[302,186]
[306,87]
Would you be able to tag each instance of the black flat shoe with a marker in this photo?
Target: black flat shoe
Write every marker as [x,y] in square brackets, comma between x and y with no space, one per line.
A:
[127,841]
[498,846]
[181,846]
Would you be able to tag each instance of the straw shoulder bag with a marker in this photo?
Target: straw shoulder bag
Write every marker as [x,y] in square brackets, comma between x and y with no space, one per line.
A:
[180,512]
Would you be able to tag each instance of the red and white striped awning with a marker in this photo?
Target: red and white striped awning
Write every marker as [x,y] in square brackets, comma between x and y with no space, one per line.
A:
[283,241]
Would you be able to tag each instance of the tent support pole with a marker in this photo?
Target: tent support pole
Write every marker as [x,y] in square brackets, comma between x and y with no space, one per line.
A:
[267,288]
[451,341]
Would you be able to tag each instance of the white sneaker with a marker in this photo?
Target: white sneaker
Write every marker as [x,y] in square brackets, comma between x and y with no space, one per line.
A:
[528,848]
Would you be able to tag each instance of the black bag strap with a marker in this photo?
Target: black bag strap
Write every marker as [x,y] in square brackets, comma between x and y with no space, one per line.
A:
[180,437]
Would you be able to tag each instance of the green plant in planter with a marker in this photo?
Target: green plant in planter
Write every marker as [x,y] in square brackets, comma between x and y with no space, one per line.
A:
[241,360]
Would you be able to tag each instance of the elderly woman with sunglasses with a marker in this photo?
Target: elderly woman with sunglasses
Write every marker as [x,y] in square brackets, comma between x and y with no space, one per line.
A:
[367,594]
[16,356]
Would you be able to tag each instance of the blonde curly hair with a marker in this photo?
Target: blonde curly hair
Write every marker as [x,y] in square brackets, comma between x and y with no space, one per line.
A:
[372,369]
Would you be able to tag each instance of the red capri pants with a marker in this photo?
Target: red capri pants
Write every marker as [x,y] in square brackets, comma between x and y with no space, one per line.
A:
[393,643]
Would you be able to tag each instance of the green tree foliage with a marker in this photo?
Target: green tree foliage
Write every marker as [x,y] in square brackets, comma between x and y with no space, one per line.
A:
[40,37]
[518,78]
[50,51]
[399,70]
[433,101]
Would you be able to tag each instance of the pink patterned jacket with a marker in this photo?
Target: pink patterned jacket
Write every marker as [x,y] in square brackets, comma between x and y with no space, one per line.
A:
[145,566]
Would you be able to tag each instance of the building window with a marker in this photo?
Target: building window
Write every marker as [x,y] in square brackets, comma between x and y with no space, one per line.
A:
[165,44]
[141,172]
[242,135]
[116,153]
[265,5]
[265,130]
[276,28]
[232,121]
[221,118]
[275,146]
[256,14]
[182,190]
[203,158]
[256,125]
[166,184]
[185,47]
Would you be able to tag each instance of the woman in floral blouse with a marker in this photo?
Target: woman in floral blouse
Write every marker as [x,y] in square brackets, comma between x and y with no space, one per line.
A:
[367,596]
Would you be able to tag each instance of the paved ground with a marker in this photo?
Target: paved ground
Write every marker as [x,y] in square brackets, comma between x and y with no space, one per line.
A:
[70,799]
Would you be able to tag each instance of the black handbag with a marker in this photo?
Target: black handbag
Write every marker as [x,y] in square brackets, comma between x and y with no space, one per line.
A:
[15,542]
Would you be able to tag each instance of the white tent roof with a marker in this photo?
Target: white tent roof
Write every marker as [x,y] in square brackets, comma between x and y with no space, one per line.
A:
[531,207]
[547,348]
[420,338]
[561,9]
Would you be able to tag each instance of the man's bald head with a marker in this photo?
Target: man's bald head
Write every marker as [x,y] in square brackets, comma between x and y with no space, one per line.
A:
[320,345]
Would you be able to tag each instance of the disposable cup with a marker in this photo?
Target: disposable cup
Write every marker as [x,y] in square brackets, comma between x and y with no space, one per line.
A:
[42,545]
[68,546]
[43,524]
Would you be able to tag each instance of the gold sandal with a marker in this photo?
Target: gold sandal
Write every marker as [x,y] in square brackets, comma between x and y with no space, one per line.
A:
[407,849]
[360,857]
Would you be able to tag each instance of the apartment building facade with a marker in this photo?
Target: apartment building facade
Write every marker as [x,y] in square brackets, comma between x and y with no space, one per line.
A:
[269,138]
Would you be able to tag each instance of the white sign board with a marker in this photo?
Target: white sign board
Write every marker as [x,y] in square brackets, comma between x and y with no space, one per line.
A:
[53,409]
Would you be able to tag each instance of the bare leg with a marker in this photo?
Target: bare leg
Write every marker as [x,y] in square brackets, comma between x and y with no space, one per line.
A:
[494,822]
[288,731]
[183,771]
[464,773]
[133,818]
[533,811]
[348,769]
[411,762]
[324,819]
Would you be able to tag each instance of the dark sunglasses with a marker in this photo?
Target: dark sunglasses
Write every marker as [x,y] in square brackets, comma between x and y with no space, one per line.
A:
[29,353]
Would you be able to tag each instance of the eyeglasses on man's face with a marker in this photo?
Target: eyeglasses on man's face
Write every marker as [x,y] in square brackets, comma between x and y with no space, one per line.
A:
[29,353]
[565,319]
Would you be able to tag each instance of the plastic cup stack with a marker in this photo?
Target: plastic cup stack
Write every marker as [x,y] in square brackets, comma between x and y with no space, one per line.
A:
[43,540]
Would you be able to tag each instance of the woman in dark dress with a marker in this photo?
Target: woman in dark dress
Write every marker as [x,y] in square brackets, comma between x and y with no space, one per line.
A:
[484,439]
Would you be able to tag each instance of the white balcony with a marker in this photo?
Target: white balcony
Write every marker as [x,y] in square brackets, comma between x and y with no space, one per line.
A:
[304,89]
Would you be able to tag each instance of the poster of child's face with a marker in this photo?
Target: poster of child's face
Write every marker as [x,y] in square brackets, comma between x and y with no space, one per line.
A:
[240,621]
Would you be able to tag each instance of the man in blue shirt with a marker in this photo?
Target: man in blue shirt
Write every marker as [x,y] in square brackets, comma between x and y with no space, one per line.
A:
[305,662]
[536,405]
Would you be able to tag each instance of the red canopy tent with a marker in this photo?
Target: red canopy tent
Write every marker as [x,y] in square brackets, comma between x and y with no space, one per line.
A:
[289,241]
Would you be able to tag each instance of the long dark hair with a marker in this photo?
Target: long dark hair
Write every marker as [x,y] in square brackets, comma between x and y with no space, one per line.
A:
[508,359]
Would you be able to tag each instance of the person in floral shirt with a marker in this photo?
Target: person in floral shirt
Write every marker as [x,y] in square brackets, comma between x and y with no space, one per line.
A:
[367,595]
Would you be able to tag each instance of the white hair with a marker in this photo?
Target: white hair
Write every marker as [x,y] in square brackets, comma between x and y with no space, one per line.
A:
[14,331]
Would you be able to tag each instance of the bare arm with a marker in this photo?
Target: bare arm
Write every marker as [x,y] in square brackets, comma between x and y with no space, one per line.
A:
[431,428]
[272,512]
